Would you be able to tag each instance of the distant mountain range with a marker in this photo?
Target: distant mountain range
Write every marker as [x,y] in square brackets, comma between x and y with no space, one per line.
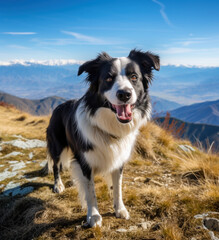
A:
[35,107]
[30,80]
[180,84]
[45,106]
[198,134]
[186,85]
[205,112]
[36,81]
[161,105]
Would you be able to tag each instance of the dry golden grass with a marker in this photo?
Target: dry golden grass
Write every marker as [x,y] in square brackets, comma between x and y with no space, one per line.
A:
[171,231]
[12,121]
[154,191]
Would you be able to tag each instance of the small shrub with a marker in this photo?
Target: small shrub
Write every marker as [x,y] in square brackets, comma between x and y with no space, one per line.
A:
[21,118]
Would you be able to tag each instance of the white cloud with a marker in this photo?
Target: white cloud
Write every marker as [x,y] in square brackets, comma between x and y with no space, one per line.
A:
[83,37]
[162,12]
[20,33]
[192,41]
[188,61]
[79,39]
[51,62]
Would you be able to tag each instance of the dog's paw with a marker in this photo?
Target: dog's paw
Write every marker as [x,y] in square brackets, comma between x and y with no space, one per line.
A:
[122,213]
[59,187]
[95,220]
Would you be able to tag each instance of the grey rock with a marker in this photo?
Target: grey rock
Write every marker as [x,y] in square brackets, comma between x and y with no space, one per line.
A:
[12,154]
[133,228]
[11,185]
[12,162]
[146,225]
[7,174]
[33,143]
[43,163]
[18,166]
[211,224]
[121,230]
[30,155]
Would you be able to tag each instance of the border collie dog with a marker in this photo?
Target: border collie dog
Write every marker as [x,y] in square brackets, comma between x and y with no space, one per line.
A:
[97,132]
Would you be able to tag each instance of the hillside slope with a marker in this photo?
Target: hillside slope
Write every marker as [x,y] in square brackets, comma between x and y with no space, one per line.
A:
[162,105]
[37,80]
[199,134]
[166,184]
[46,106]
[35,107]
[205,112]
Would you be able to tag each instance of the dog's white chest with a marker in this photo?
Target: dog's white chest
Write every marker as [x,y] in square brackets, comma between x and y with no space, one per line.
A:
[112,141]
[106,157]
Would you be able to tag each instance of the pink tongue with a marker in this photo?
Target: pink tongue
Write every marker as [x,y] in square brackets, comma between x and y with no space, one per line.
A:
[124,112]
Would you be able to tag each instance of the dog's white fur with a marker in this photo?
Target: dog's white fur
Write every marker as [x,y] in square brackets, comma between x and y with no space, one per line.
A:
[108,157]
[121,83]
[102,126]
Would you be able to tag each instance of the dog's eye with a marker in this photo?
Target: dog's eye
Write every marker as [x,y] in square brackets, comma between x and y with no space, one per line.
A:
[133,78]
[109,79]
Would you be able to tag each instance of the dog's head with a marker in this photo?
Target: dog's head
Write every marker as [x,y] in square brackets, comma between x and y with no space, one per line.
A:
[121,81]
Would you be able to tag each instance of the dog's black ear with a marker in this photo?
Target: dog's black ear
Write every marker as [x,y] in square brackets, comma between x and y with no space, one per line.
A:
[92,66]
[147,60]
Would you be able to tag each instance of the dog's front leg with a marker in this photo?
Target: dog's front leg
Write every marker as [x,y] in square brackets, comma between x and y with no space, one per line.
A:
[119,206]
[93,217]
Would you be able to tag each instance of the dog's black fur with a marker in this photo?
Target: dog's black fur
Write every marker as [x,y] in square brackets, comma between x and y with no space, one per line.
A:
[63,131]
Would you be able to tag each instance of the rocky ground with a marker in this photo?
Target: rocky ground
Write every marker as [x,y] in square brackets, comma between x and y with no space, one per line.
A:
[170,189]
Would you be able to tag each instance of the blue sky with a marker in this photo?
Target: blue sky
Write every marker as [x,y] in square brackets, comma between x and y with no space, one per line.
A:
[180,31]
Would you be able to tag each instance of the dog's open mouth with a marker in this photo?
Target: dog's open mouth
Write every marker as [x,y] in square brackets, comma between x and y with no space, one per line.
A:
[123,112]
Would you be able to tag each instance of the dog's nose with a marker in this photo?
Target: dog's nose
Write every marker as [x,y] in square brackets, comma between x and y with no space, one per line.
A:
[124,95]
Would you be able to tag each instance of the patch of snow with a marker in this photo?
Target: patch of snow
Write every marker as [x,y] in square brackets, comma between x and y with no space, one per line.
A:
[2,185]
[146,225]
[43,163]
[31,179]
[2,165]
[49,62]
[12,154]
[18,165]
[33,143]
[19,136]
[7,174]
[203,215]
[30,155]
[11,185]
[13,162]
[133,228]
[122,230]
[0,148]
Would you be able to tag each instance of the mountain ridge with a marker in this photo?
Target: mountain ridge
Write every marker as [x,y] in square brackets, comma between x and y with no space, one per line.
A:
[46,105]
[197,133]
[180,84]
[43,106]
[205,112]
